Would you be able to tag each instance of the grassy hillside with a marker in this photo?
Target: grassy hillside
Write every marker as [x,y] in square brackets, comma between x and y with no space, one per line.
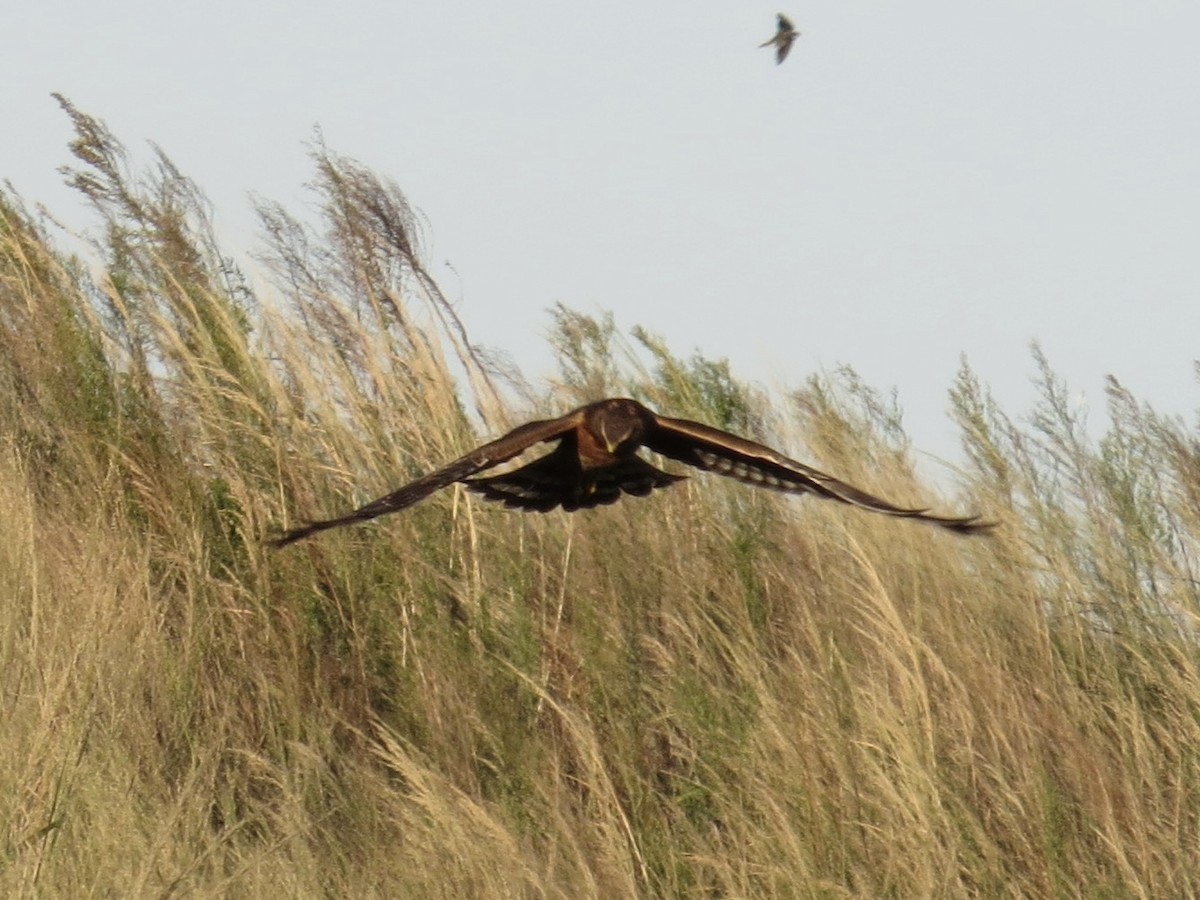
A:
[713,692]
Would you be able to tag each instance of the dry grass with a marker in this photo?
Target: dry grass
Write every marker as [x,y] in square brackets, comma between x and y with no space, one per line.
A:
[712,692]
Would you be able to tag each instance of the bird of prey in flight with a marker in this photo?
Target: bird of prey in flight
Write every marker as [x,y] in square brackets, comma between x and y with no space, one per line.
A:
[785,34]
[596,461]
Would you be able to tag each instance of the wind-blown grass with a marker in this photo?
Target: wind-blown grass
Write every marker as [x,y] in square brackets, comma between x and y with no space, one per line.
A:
[710,692]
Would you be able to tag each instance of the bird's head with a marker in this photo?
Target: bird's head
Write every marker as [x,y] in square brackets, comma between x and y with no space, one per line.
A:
[620,425]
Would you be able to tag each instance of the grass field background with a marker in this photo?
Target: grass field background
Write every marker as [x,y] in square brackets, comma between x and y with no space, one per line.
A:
[712,692]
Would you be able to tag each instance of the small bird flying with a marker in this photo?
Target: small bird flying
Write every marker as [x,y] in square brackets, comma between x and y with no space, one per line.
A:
[596,462]
[785,34]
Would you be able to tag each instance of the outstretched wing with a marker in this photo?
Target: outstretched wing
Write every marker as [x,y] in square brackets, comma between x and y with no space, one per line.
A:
[500,450]
[726,454]
[785,24]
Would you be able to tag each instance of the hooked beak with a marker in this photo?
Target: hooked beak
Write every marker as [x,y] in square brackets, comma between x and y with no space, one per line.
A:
[609,444]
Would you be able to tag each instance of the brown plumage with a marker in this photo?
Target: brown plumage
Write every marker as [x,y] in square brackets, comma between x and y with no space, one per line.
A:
[783,38]
[596,461]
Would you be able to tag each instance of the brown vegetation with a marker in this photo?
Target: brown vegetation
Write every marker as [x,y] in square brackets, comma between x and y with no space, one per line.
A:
[711,692]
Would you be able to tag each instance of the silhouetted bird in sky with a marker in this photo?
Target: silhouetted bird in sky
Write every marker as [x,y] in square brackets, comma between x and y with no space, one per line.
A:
[596,461]
[784,35]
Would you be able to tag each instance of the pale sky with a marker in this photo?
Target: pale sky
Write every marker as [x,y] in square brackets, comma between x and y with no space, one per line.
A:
[916,182]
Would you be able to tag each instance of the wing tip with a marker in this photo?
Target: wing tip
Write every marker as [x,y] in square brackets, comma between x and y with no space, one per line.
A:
[968,525]
[290,536]
[309,528]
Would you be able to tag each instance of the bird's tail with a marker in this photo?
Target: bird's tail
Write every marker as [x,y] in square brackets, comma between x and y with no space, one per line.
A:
[548,482]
